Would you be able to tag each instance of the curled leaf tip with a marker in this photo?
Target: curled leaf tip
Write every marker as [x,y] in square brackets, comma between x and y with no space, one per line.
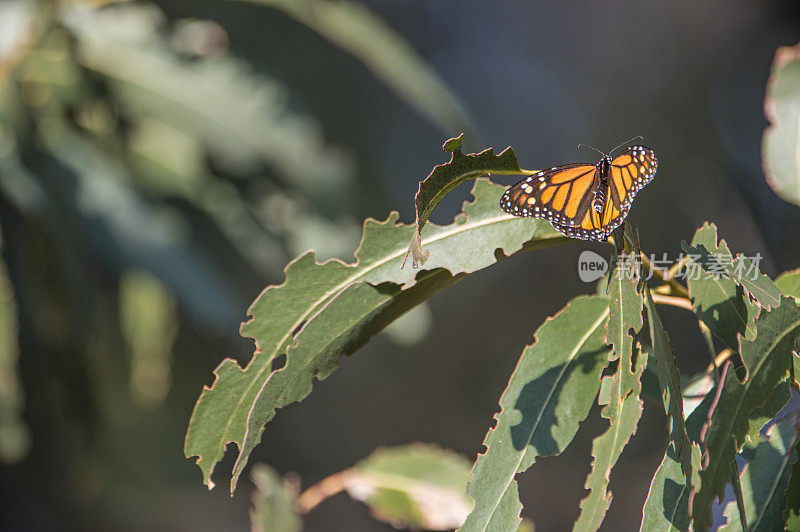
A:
[418,255]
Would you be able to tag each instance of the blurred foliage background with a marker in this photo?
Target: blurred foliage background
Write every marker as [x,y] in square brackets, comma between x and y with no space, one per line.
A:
[160,162]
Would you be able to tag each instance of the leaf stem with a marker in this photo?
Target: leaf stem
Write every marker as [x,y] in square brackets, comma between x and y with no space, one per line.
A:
[325,488]
[665,276]
[676,268]
[706,332]
[674,301]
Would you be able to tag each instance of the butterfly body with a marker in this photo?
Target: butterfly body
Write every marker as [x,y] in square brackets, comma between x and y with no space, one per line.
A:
[585,201]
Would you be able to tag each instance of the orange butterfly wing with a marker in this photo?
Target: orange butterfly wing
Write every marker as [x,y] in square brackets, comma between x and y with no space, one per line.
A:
[561,195]
[565,195]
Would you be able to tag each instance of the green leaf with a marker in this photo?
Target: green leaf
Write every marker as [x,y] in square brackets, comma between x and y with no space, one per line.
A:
[669,378]
[358,31]
[14,435]
[792,510]
[780,149]
[273,502]
[764,481]
[550,392]
[767,359]
[789,283]
[324,311]
[717,300]
[619,393]
[418,486]
[694,389]
[742,270]
[446,177]
[667,505]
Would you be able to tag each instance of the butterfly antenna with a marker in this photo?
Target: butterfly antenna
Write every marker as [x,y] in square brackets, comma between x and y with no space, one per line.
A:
[627,141]
[582,145]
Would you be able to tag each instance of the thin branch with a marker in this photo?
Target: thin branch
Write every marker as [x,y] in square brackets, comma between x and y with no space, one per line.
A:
[680,302]
[706,332]
[676,268]
[325,488]
[662,275]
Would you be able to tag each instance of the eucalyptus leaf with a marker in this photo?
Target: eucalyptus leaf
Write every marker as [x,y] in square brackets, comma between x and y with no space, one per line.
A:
[619,393]
[717,300]
[550,392]
[445,177]
[780,146]
[417,486]
[662,360]
[767,359]
[764,480]
[324,311]
[667,505]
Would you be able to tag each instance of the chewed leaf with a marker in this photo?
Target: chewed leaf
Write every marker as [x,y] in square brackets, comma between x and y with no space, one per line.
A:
[666,368]
[771,466]
[667,504]
[781,145]
[741,409]
[619,393]
[446,177]
[417,486]
[717,299]
[324,311]
[550,392]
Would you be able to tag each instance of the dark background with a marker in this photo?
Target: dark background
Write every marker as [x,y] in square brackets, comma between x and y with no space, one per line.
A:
[540,77]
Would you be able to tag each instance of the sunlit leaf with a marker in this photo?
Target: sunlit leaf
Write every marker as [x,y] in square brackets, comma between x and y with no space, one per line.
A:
[662,361]
[717,300]
[694,389]
[358,31]
[550,392]
[764,480]
[789,283]
[767,359]
[324,311]
[780,147]
[445,177]
[619,393]
[741,269]
[273,502]
[417,486]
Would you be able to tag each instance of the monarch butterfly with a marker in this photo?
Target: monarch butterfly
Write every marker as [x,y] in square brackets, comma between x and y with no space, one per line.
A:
[585,201]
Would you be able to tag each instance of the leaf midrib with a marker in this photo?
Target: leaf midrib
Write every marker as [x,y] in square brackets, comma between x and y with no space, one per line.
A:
[333,293]
[550,393]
